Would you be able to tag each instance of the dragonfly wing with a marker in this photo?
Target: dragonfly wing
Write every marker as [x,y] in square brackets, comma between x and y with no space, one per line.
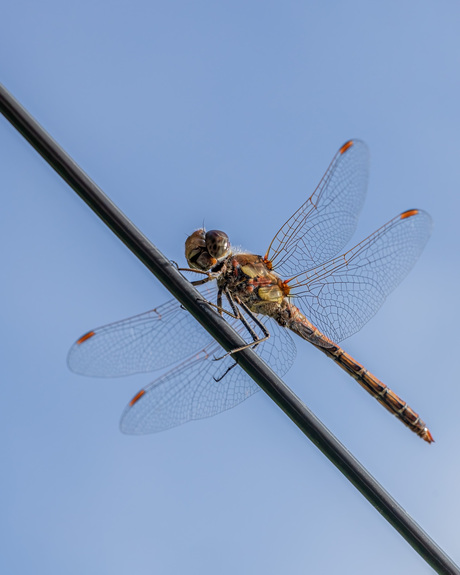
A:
[322,226]
[185,393]
[146,342]
[190,390]
[340,296]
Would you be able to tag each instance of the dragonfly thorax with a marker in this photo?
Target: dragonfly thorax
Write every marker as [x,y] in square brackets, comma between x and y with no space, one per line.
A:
[248,280]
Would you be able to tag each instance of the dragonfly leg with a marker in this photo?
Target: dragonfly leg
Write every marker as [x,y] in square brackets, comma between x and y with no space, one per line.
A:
[256,320]
[190,270]
[221,309]
[217,379]
[240,316]
[235,315]
[209,275]
[201,282]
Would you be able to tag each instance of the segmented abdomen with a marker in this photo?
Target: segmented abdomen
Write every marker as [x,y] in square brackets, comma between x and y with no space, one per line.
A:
[298,323]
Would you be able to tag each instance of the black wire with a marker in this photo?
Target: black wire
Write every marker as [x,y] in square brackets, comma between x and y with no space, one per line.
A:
[224,334]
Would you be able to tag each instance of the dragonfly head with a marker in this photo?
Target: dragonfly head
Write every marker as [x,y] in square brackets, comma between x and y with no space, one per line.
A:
[204,249]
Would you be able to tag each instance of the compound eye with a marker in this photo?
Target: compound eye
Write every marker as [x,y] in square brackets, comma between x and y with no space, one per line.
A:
[217,244]
[195,247]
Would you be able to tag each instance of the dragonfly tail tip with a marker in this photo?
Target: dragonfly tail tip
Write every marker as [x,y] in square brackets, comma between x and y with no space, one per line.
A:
[426,435]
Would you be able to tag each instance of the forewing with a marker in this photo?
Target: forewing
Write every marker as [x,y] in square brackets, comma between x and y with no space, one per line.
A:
[190,390]
[322,226]
[340,296]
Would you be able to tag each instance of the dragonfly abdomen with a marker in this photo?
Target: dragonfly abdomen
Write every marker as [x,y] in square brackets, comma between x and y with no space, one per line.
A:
[384,395]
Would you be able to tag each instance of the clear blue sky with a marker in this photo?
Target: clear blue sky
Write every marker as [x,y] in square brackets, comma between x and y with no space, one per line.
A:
[227,113]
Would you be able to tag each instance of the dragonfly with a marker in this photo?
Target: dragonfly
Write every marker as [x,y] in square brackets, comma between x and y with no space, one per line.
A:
[324,299]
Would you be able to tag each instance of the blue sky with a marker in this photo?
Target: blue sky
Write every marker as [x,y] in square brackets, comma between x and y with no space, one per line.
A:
[226,113]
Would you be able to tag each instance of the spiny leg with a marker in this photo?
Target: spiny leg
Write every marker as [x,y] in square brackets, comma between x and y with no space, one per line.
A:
[243,320]
[210,275]
[201,282]
[219,307]
[240,316]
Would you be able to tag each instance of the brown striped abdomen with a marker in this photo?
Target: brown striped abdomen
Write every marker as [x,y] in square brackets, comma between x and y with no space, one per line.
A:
[382,393]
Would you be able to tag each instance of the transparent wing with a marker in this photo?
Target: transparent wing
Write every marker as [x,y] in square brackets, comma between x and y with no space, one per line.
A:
[164,336]
[145,342]
[322,226]
[340,296]
[190,390]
